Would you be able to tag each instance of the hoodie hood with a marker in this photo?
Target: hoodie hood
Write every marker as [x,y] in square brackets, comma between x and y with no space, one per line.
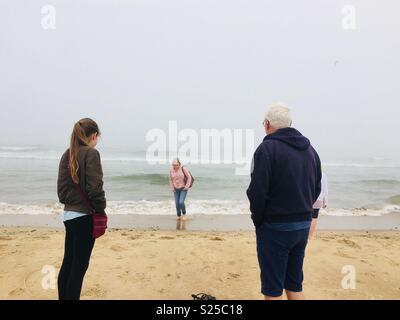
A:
[291,137]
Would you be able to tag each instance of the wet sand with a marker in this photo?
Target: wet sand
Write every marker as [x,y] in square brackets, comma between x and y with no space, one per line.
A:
[205,222]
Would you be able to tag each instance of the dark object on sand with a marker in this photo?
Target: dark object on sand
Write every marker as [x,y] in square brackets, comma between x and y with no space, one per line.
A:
[203,296]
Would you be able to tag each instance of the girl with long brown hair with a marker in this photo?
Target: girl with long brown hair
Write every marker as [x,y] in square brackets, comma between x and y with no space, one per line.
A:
[80,166]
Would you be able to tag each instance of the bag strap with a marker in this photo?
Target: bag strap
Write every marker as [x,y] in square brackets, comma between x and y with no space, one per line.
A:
[183,171]
[84,198]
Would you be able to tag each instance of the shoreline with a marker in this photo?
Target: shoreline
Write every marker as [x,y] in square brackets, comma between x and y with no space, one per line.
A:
[218,223]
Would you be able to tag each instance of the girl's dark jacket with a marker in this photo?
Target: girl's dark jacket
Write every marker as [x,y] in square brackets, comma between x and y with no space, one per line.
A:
[90,175]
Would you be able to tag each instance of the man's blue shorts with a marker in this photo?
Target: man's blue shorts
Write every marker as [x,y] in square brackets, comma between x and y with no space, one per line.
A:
[280,256]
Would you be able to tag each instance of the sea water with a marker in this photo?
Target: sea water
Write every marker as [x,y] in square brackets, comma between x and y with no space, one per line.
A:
[28,184]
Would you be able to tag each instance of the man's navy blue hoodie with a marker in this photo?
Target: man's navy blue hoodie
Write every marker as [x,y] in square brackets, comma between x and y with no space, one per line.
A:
[286,178]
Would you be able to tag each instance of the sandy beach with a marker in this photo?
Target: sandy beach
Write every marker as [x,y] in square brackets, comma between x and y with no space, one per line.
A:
[226,113]
[160,264]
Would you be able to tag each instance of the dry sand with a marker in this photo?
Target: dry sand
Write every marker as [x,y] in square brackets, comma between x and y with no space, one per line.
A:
[131,264]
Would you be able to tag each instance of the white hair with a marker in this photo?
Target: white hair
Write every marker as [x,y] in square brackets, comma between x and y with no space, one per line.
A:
[177,160]
[278,115]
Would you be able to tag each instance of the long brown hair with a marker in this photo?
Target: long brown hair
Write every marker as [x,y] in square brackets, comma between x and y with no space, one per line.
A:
[81,133]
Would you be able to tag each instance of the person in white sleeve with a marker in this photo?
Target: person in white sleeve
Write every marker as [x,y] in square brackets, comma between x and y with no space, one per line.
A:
[322,202]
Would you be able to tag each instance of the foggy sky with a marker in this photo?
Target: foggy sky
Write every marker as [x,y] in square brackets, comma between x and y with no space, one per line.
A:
[135,65]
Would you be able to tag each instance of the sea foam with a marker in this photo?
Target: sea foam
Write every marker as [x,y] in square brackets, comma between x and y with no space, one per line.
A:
[207,207]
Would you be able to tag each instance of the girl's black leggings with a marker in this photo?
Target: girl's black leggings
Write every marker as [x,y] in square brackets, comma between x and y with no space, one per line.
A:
[78,248]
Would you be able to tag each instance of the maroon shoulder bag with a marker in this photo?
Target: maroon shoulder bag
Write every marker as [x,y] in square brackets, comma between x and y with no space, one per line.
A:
[99,219]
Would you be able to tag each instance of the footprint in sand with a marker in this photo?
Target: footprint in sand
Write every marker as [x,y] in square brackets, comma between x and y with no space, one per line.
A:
[344,255]
[117,248]
[233,275]
[141,276]
[16,292]
[125,275]
[7,238]
[135,236]
[41,237]
[392,262]
[166,238]
[349,243]
[95,291]
[217,239]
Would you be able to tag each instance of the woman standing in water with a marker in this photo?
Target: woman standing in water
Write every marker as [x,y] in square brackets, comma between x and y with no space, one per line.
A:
[180,181]
[80,165]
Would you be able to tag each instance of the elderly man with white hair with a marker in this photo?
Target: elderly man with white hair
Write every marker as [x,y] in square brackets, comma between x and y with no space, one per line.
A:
[285,183]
